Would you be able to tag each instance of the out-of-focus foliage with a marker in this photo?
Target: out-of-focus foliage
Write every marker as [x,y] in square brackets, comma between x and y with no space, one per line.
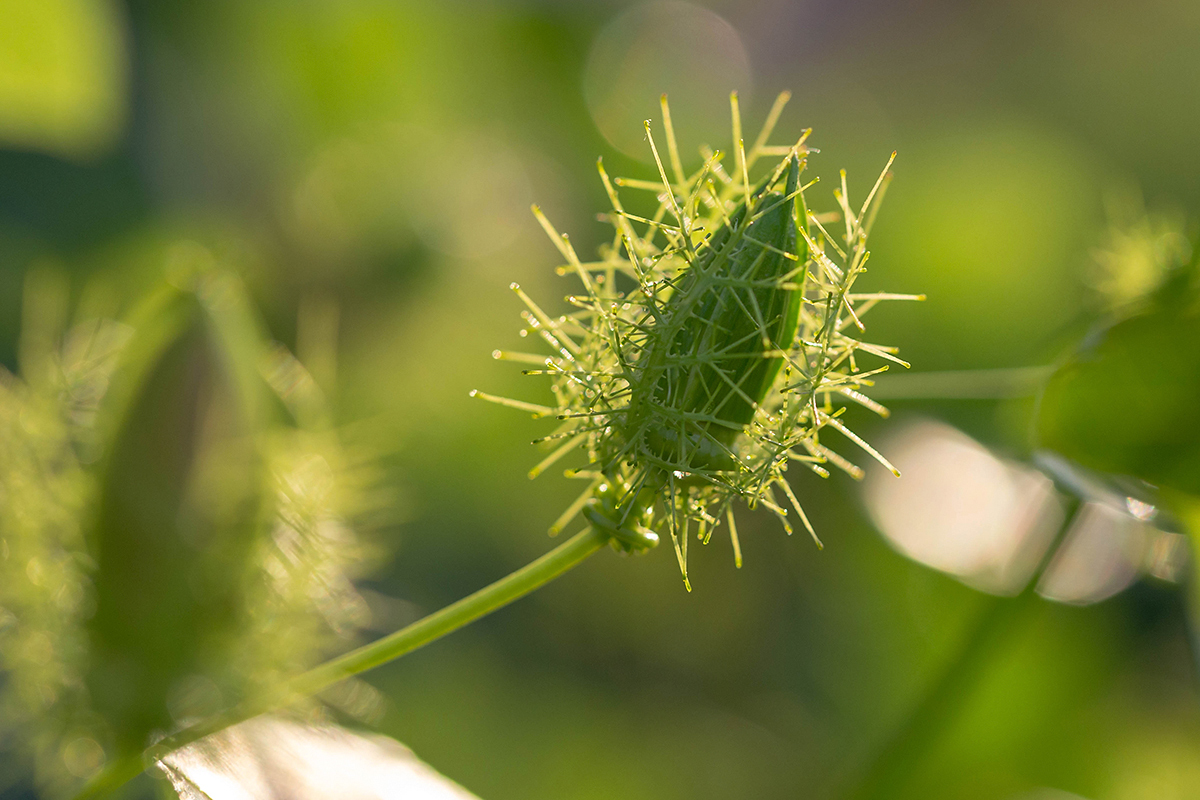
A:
[1138,252]
[63,75]
[176,536]
[378,157]
[45,490]
[1128,402]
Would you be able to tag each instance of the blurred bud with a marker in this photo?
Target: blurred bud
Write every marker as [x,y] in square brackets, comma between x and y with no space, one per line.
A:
[1138,250]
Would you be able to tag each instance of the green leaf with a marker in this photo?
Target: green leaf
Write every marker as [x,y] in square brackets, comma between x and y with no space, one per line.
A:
[63,81]
[1128,402]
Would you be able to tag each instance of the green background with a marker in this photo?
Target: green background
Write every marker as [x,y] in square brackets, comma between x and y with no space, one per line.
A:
[382,156]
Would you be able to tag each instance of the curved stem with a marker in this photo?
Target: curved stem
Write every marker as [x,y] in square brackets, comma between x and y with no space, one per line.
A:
[369,656]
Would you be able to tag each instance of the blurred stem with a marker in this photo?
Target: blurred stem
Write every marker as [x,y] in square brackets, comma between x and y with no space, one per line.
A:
[963,384]
[422,632]
[1186,508]
[901,752]
[895,761]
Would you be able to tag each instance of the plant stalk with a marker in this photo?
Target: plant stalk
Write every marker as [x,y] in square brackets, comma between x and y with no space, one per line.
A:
[420,633]
[887,774]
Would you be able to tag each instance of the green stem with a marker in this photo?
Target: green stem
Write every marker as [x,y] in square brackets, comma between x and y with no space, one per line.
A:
[1186,509]
[369,656]
[895,761]
[889,772]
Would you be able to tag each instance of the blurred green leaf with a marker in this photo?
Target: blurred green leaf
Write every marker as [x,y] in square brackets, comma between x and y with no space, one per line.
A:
[1128,402]
[62,75]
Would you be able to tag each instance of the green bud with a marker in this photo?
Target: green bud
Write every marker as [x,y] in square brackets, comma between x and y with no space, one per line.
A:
[721,339]
[711,346]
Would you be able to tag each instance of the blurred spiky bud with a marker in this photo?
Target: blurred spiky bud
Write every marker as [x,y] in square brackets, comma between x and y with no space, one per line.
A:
[1138,251]
[712,344]
[281,501]
[320,487]
[45,487]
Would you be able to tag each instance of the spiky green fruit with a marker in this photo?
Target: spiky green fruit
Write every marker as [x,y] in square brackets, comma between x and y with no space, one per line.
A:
[710,347]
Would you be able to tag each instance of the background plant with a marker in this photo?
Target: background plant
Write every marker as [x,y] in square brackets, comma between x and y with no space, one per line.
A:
[233,516]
